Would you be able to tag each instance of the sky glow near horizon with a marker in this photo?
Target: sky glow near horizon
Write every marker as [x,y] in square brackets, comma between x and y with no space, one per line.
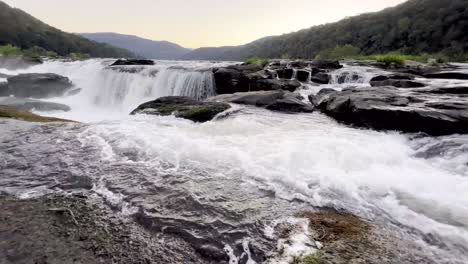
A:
[193,24]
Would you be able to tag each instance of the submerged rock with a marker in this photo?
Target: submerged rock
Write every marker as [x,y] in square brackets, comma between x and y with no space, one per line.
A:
[13,113]
[122,62]
[31,104]
[36,85]
[447,75]
[397,83]
[387,108]
[278,100]
[182,107]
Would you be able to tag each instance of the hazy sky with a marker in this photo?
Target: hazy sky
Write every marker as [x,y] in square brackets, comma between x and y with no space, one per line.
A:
[195,23]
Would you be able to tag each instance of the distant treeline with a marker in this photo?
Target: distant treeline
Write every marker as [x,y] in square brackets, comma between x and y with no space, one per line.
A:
[414,27]
[26,32]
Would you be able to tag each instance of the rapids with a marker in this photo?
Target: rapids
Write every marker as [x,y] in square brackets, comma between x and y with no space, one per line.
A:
[226,183]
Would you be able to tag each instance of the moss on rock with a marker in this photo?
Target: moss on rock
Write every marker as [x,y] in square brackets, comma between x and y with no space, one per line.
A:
[13,113]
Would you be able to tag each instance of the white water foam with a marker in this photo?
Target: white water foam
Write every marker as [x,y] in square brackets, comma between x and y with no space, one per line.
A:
[307,157]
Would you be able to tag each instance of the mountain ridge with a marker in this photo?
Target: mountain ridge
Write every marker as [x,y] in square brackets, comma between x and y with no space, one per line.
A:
[150,49]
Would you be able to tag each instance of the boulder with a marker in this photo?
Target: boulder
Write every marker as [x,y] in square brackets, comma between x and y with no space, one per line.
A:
[302,75]
[278,100]
[447,75]
[229,80]
[273,84]
[326,64]
[31,104]
[182,107]
[245,78]
[388,108]
[397,83]
[290,103]
[37,85]
[315,100]
[321,78]
[126,62]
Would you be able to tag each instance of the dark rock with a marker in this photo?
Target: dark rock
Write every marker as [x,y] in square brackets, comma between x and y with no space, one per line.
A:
[182,107]
[347,77]
[2,75]
[397,83]
[302,75]
[274,84]
[449,90]
[317,99]
[246,68]
[285,73]
[387,108]
[326,64]
[122,62]
[299,64]
[381,78]
[447,75]
[73,92]
[229,80]
[321,78]
[37,85]
[245,78]
[31,104]
[290,103]
[278,100]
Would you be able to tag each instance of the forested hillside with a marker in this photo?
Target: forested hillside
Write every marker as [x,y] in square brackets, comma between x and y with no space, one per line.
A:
[22,30]
[414,27]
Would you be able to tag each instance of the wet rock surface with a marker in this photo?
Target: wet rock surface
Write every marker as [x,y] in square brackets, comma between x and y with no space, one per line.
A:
[278,100]
[284,75]
[183,107]
[387,108]
[70,229]
[36,85]
[31,104]
[128,62]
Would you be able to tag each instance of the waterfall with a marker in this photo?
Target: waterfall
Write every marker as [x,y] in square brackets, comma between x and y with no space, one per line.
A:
[354,75]
[125,87]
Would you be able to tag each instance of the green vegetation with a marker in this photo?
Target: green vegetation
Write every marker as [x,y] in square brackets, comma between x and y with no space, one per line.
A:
[38,52]
[21,30]
[414,27]
[339,52]
[315,258]
[11,112]
[257,61]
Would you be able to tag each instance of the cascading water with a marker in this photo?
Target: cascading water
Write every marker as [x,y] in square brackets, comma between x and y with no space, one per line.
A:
[120,89]
[225,183]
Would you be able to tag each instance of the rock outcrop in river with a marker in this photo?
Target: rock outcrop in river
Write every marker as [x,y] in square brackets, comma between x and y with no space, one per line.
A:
[183,107]
[389,108]
[36,85]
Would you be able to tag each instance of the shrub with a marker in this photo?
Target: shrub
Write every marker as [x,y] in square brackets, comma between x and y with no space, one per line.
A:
[9,50]
[390,59]
[257,61]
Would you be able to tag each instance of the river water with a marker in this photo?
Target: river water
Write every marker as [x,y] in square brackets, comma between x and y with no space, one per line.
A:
[225,184]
